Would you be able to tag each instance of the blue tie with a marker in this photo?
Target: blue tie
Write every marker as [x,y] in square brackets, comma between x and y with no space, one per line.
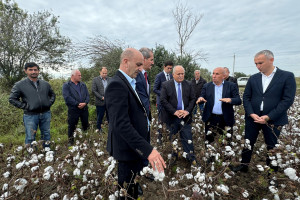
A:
[179,104]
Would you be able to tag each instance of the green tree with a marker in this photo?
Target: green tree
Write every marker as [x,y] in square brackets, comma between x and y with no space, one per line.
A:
[28,37]
[239,74]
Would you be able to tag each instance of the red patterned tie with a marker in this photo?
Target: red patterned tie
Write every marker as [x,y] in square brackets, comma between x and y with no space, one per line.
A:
[146,77]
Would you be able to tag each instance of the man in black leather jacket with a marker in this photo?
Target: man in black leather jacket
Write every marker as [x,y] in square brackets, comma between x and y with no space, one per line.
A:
[35,97]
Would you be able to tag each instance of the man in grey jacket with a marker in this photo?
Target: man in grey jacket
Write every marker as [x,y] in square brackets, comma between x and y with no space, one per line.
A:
[98,87]
[35,97]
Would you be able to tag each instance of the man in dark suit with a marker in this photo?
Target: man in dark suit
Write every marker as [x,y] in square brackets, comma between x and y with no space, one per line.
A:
[98,87]
[219,97]
[177,99]
[267,97]
[229,78]
[77,97]
[128,137]
[142,79]
[198,83]
[161,77]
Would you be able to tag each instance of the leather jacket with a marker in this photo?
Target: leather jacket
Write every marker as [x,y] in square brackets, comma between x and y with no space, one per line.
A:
[32,99]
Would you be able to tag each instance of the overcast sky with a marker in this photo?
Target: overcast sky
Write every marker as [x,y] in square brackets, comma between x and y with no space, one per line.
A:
[228,27]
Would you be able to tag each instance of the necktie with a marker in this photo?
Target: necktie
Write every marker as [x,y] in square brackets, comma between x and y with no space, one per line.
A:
[179,104]
[168,78]
[146,77]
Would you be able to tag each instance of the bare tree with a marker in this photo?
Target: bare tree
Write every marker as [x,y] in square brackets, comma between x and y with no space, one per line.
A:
[186,22]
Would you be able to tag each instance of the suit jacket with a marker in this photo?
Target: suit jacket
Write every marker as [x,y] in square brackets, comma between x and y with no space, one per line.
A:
[230,90]
[141,88]
[168,100]
[71,96]
[159,79]
[231,79]
[128,134]
[198,86]
[98,90]
[278,97]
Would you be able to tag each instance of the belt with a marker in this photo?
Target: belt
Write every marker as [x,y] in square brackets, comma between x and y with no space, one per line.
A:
[216,115]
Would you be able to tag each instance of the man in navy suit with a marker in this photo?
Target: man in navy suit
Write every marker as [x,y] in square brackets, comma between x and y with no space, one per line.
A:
[128,136]
[142,79]
[161,77]
[267,97]
[219,97]
[177,99]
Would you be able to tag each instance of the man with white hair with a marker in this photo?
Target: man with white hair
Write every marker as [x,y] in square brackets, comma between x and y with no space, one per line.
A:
[77,97]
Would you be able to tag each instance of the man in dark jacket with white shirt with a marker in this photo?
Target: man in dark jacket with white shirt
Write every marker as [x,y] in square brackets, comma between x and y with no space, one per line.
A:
[35,97]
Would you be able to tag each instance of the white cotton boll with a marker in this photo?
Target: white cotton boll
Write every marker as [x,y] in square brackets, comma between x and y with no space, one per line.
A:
[175,143]
[276,197]
[75,197]
[6,174]
[228,135]
[160,126]
[20,165]
[49,156]
[184,154]
[182,123]
[5,187]
[46,176]
[111,197]
[208,132]
[223,188]
[291,173]
[20,184]
[33,169]
[227,176]
[82,189]
[273,189]
[189,176]
[274,163]
[76,172]
[54,196]
[245,194]
[260,168]
[80,163]
[5,195]
[19,148]
[189,141]
[238,137]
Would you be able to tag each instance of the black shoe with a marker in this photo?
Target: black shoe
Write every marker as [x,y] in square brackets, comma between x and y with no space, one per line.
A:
[240,168]
[140,190]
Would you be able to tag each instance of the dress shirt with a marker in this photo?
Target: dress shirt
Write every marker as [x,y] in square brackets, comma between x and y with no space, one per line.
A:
[148,89]
[104,81]
[217,109]
[266,80]
[176,85]
[168,77]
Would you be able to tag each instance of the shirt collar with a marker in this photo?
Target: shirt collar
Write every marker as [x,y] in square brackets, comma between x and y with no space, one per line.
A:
[219,85]
[273,72]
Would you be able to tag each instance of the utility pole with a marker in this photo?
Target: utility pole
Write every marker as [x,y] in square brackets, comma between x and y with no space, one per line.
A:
[233,64]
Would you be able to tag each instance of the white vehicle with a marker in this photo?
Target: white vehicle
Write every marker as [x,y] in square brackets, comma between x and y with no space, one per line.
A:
[242,81]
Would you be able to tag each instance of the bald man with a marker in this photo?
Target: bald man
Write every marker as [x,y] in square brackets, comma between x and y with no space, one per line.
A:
[219,97]
[129,136]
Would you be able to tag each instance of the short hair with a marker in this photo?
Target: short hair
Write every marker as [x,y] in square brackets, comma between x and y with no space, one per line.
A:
[169,62]
[267,53]
[73,72]
[226,68]
[174,69]
[146,52]
[31,64]
[103,68]
[197,71]
[127,53]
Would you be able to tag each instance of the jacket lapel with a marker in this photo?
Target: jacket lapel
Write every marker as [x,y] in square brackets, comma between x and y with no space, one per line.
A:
[274,79]
[258,81]
[134,93]
[225,87]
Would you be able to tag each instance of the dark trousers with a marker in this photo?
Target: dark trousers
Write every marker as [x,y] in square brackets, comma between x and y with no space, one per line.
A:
[185,135]
[127,171]
[73,117]
[271,133]
[100,114]
[215,124]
